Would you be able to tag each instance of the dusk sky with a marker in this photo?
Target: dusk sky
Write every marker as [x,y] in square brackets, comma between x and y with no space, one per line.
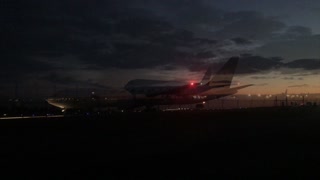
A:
[104,44]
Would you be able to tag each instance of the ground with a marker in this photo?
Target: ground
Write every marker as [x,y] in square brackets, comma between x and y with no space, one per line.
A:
[228,144]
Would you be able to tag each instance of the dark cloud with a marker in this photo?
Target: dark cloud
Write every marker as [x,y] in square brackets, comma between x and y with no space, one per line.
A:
[127,34]
[248,64]
[191,14]
[250,25]
[251,64]
[255,64]
[40,37]
[301,47]
[55,78]
[169,68]
[295,32]
[104,34]
[206,20]
[241,41]
[205,55]
[59,79]
[307,64]
[15,68]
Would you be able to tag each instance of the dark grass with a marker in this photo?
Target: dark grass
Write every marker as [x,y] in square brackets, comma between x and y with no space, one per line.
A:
[231,144]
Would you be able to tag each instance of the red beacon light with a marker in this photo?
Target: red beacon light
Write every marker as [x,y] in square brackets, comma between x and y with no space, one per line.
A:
[192,84]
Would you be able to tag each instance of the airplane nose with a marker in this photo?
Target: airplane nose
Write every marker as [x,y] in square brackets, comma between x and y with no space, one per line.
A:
[50,100]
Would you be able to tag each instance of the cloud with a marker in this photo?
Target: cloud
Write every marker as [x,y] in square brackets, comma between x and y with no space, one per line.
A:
[293,78]
[194,15]
[116,35]
[132,34]
[262,77]
[288,78]
[46,37]
[306,74]
[255,64]
[302,47]
[294,32]
[16,68]
[250,25]
[203,18]
[251,64]
[241,41]
[299,86]
[247,64]
[66,80]
[307,64]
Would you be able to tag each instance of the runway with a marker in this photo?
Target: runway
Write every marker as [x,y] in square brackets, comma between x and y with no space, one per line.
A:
[31,117]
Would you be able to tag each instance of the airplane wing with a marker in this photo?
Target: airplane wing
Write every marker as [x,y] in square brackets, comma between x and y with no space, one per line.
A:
[241,87]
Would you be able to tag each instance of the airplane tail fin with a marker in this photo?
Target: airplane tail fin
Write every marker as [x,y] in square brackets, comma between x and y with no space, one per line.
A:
[207,76]
[224,76]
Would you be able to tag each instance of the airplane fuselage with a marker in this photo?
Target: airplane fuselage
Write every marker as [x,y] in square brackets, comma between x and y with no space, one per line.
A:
[89,103]
[151,88]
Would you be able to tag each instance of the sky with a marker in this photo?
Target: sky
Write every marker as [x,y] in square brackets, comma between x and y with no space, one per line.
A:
[101,45]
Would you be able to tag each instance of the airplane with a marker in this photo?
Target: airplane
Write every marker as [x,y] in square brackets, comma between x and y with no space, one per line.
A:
[209,83]
[162,92]
[106,104]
